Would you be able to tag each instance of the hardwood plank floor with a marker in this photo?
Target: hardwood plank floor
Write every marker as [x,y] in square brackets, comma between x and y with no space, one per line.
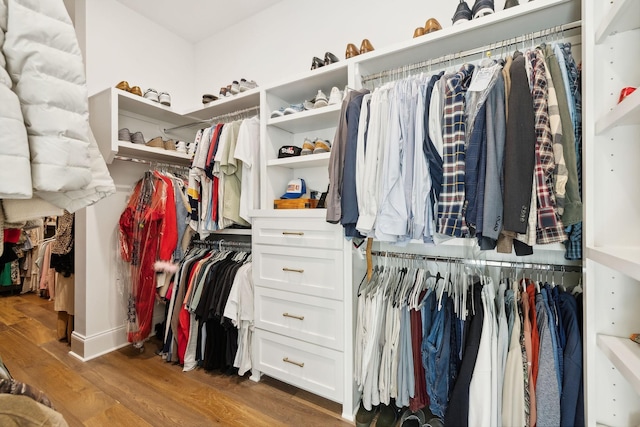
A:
[129,388]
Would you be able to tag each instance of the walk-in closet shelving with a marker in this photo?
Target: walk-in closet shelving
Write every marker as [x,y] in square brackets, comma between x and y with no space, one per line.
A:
[226,105]
[292,129]
[612,231]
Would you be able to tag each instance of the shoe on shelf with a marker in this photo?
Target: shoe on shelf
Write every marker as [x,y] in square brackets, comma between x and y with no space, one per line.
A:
[293,108]
[181,147]
[228,92]
[418,32]
[308,105]
[137,138]
[335,97]
[462,14]
[247,85]
[123,85]
[321,100]
[277,113]
[165,99]
[136,90]
[321,146]
[235,87]
[330,58]
[124,135]
[207,98]
[170,144]
[223,92]
[366,46]
[432,25]
[156,142]
[351,51]
[152,95]
[482,8]
[316,63]
[510,3]
[307,147]
[191,148]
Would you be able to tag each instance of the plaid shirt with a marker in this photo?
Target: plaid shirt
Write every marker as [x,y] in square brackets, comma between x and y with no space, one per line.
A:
[550,228]
[451,207]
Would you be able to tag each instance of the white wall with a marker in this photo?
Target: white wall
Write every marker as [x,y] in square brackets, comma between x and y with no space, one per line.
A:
[123,45]
[281,41]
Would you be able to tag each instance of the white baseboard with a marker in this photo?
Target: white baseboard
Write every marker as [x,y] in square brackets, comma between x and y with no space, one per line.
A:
[89,347]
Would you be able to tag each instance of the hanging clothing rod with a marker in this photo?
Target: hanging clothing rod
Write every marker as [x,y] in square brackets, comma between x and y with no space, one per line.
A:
[481,262]
[471,52]
[222,243]
[153,165]
[212,119]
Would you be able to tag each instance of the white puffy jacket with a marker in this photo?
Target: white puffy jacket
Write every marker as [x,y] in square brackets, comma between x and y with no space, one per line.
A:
[45,64]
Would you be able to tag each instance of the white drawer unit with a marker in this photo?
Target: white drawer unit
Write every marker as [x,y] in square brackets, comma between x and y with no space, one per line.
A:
[316,272]
[315,320]
[311,367]
[298,232]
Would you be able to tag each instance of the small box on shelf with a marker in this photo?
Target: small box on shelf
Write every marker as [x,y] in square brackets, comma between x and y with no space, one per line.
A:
[295,203]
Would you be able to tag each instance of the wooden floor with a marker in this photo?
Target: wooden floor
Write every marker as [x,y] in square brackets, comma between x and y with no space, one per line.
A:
[129,388]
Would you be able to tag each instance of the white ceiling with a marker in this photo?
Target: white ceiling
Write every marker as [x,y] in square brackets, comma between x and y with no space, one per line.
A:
[195,20]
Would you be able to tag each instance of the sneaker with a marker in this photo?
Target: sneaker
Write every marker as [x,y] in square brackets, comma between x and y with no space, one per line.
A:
[165,99]
[307,147]
[294,108]
[137,138]
[191,148]
[181,147]
[152,95]
[124,135]
[321,100]
[308,105]
[207,98]
[321,146]
[247,85]
[277,113]
[235,88]
[228,93]
[335,97]
[170,145]
[463,13]
[156,142]
[223,92]
[482,8]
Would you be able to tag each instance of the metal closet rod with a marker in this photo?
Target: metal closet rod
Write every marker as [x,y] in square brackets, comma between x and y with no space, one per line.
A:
[153,165]
[222,243]
[481,262]
[455,56]
[226,115]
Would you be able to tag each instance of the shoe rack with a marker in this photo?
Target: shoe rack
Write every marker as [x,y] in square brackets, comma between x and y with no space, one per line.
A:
[611,148]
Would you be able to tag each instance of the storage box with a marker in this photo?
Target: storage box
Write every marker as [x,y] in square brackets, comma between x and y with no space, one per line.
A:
[295,203]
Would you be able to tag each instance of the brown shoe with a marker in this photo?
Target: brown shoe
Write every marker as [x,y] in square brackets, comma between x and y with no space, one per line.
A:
[432,25]
[156,142]
[123,85]
[418,32]
[136,90]
[366,46]
[352,51]
[170,145]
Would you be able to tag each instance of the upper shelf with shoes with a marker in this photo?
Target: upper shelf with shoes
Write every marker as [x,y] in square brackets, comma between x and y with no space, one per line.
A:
[502,25]
[227,105]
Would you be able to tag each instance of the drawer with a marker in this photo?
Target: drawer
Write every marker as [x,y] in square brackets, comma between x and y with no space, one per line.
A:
[302,232]
[315,320]
[316,272]
[316,369]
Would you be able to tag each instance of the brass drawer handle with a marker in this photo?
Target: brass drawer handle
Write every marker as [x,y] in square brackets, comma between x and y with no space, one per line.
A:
[293,233]
[293,316]
[286,359]
[293,270]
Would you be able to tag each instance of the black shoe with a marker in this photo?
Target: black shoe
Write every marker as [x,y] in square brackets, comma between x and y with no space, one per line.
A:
[463,13]
[511,3]
[482,8]
[330,58]
[316,63]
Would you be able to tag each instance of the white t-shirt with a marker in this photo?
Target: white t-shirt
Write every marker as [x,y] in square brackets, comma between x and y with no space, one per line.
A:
[248,151]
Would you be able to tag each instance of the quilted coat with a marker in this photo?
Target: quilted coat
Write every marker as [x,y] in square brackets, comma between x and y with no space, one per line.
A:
[47,152]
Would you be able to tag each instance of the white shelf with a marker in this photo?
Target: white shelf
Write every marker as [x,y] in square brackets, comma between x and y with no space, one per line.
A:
[144,107]
[302,162]
[306,85]
[139,151]
[625,113]
[226,105]
[289,213]
[505,24]
[625,356]
[623,16]
[310,120]
[234,231]
[621,258]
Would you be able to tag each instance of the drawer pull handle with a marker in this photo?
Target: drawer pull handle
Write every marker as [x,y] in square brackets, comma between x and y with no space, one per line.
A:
[286,359]
[294,270]
[293,316]
[293,233]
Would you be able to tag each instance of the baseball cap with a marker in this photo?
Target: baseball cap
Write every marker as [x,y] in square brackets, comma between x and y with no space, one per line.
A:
[295,189]
[289,151]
